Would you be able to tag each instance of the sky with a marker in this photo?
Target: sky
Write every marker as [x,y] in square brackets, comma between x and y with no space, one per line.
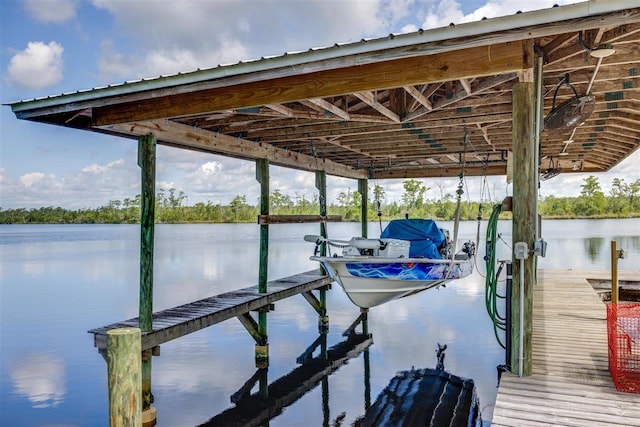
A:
[49,47]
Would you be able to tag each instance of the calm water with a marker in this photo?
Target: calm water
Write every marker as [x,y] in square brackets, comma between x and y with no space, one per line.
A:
[59,281]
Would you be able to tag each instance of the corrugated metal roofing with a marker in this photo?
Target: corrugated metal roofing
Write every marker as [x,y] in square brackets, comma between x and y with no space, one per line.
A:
[399,106]
[393,40]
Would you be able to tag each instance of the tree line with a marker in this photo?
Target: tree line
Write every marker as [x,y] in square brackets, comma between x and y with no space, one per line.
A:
[623,201]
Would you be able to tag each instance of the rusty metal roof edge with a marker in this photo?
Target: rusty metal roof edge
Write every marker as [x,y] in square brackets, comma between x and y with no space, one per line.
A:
[363,47]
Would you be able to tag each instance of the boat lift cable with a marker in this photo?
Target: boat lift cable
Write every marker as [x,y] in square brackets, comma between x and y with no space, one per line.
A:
[482,190]
[460,191]
[491,279]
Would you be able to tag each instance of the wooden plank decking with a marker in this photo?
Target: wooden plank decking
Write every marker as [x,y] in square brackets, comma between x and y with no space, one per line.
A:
[182,320]
[570,385]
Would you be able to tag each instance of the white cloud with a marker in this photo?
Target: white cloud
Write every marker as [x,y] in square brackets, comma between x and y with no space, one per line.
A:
[446,12]
[113,65]
[41,378]
[190,34]
[31,178]
[55,11]
[97,169]
[39,66]
[94,185]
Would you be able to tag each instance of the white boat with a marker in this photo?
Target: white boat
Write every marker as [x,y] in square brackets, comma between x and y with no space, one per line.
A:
[376,271]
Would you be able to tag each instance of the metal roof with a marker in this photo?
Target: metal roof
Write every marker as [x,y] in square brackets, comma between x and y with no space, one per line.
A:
[396,106]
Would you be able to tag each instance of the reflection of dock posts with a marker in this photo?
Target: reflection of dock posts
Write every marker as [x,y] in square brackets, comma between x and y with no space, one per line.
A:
[325,382]
[367,368]
[124,372]
[360,320]
[262,344]
[147,163]
[254,410]
[321,185]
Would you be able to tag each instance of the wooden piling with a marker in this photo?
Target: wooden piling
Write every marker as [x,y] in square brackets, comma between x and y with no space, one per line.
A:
[262,175]
[124,372]
[524,217]
[363,189]
[321,185]
[147,163]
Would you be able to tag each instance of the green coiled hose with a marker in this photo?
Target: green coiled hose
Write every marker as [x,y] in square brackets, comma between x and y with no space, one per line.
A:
[491,279]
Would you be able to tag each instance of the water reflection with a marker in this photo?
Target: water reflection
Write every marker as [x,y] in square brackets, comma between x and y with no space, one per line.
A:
[256,409]
[420,397]
[40,378]
[593,247]
[56,282]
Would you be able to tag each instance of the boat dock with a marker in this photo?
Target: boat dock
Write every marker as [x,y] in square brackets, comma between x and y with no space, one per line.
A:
[571,384]
[175,322]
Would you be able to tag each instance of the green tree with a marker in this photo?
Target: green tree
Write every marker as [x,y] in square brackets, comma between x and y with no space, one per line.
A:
[592,199]
[378,194]
[413,196]
[279,201]
[238,206]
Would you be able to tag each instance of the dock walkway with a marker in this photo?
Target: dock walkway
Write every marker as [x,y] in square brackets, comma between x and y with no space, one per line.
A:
[570,385]
[182,320]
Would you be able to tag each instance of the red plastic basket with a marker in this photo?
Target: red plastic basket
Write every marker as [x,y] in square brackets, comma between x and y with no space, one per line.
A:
[623,330]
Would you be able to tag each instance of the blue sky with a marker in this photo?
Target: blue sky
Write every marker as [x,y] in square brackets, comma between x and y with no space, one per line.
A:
[49,47]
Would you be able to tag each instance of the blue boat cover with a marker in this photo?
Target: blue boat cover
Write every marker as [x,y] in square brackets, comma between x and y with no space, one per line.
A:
[423,234]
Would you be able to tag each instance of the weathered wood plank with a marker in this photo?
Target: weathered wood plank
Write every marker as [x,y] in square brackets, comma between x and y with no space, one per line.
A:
[178,321]
[570,385]
[297,219]
[465,63]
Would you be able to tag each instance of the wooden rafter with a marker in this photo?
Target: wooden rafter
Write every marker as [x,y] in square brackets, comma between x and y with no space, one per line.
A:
[330,107]
[370,99]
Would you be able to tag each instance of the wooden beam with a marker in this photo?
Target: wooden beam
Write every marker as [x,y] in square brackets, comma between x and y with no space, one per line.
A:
[465,63]
[485,135]
[330,107]
[371,99]
[176,134]
[285,111]
[418,96]
[466,85]
[439,171]
[296,219]
[461,94]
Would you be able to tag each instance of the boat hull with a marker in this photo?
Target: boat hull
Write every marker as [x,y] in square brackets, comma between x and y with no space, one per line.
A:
[371,281]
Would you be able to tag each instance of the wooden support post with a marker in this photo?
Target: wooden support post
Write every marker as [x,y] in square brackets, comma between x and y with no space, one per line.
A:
[323,318]
[363,189]
[524,219]
[364,314]
[614,272]
[321,185]
[124,371]
[147,163]
[320,306]
[262,175]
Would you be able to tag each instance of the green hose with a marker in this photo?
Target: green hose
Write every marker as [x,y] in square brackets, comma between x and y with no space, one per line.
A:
[491,280]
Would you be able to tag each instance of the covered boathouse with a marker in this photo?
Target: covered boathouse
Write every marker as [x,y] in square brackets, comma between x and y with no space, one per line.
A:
[540,93]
